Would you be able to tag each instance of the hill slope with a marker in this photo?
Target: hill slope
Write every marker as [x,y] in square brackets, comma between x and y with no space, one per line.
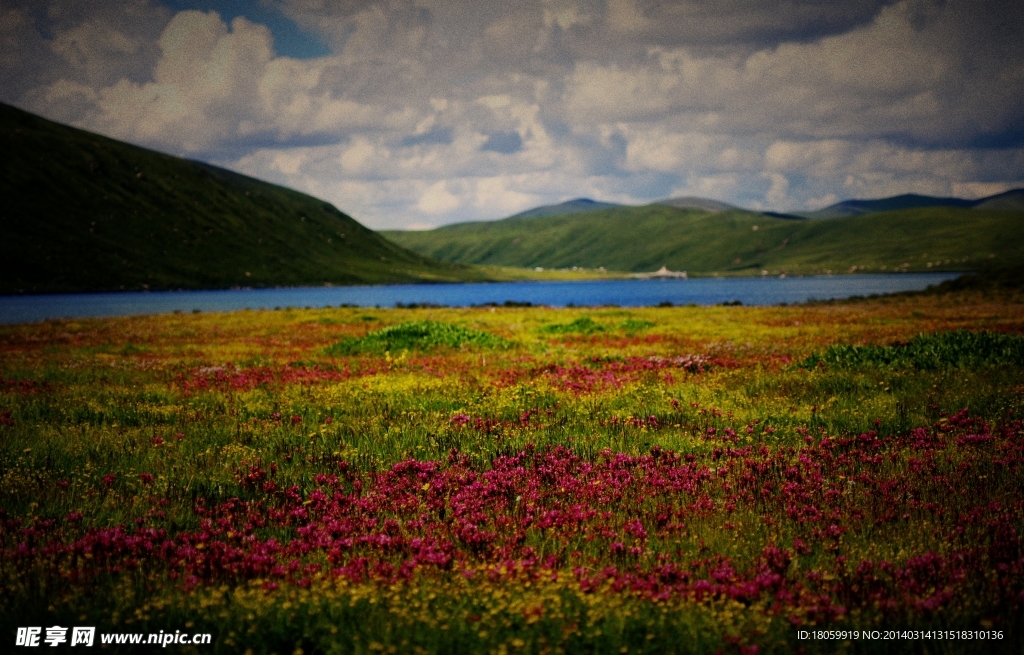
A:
[85,213]
[646,238]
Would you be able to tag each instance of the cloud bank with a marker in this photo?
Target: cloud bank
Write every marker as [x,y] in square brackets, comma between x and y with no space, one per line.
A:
[427,112]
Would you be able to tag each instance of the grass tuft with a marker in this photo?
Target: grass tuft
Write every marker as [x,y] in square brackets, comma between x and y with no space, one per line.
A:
[958,349]
[585,325]
[417,335]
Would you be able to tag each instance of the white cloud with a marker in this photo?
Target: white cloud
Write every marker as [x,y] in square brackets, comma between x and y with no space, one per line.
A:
[824,157]
[431,111]
[722,185]
[500,195]
[438,200]
[892,76]
[777,192]
[983,189]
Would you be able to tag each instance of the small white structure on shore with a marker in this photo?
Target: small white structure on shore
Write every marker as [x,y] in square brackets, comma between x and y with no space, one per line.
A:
[662,272]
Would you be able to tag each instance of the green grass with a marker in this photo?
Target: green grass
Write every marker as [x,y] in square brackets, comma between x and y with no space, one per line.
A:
[417,335]
[734,242]
[585,325]
[960,349]
[86,213]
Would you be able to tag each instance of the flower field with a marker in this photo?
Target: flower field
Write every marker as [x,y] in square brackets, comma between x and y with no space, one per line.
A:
[520,479]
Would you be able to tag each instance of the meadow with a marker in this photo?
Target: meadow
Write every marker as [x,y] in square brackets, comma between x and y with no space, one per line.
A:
[521,479]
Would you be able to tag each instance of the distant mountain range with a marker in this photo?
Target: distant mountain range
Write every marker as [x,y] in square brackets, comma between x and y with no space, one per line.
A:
[1009,201]
[82,212]
[706,237]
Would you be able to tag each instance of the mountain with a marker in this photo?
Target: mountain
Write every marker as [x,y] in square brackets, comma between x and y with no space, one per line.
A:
[734,241]
[86,213]
[692,202]
[567,207]
[1009,201]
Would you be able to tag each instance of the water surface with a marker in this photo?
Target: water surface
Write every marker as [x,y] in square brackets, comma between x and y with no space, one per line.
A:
[627,293]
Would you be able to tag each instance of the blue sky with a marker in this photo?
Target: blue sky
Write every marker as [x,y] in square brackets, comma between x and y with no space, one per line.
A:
[289,39]
[417,113]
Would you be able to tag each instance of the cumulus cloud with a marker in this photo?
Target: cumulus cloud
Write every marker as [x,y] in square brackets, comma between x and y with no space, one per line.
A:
[901,75]
[431,111]
[84,44]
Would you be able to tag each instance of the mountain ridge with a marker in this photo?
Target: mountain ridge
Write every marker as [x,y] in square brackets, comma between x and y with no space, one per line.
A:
[84,212]
[855,207]
[1012,200]
[643,239]
[573,206]
[694,202]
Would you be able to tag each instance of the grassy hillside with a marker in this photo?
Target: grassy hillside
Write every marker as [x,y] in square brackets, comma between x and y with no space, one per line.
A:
[740,242]
[84,213]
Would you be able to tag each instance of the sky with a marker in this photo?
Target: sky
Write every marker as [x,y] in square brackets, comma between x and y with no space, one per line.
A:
[408,114]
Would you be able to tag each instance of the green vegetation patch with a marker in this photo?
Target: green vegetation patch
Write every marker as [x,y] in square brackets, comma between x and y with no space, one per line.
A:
[632,325]
[585,325]
[959,349]
[417,335]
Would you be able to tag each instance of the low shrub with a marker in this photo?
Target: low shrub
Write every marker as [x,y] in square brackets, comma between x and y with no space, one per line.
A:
[416,335]
[958,349]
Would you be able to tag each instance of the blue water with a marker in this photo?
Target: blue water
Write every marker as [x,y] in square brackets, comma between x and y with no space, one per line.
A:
[627,293]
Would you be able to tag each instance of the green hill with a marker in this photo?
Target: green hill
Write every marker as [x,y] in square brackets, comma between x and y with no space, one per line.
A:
[82,212]
[738,242]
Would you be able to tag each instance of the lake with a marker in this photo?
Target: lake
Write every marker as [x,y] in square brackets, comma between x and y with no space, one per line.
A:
[627,293]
